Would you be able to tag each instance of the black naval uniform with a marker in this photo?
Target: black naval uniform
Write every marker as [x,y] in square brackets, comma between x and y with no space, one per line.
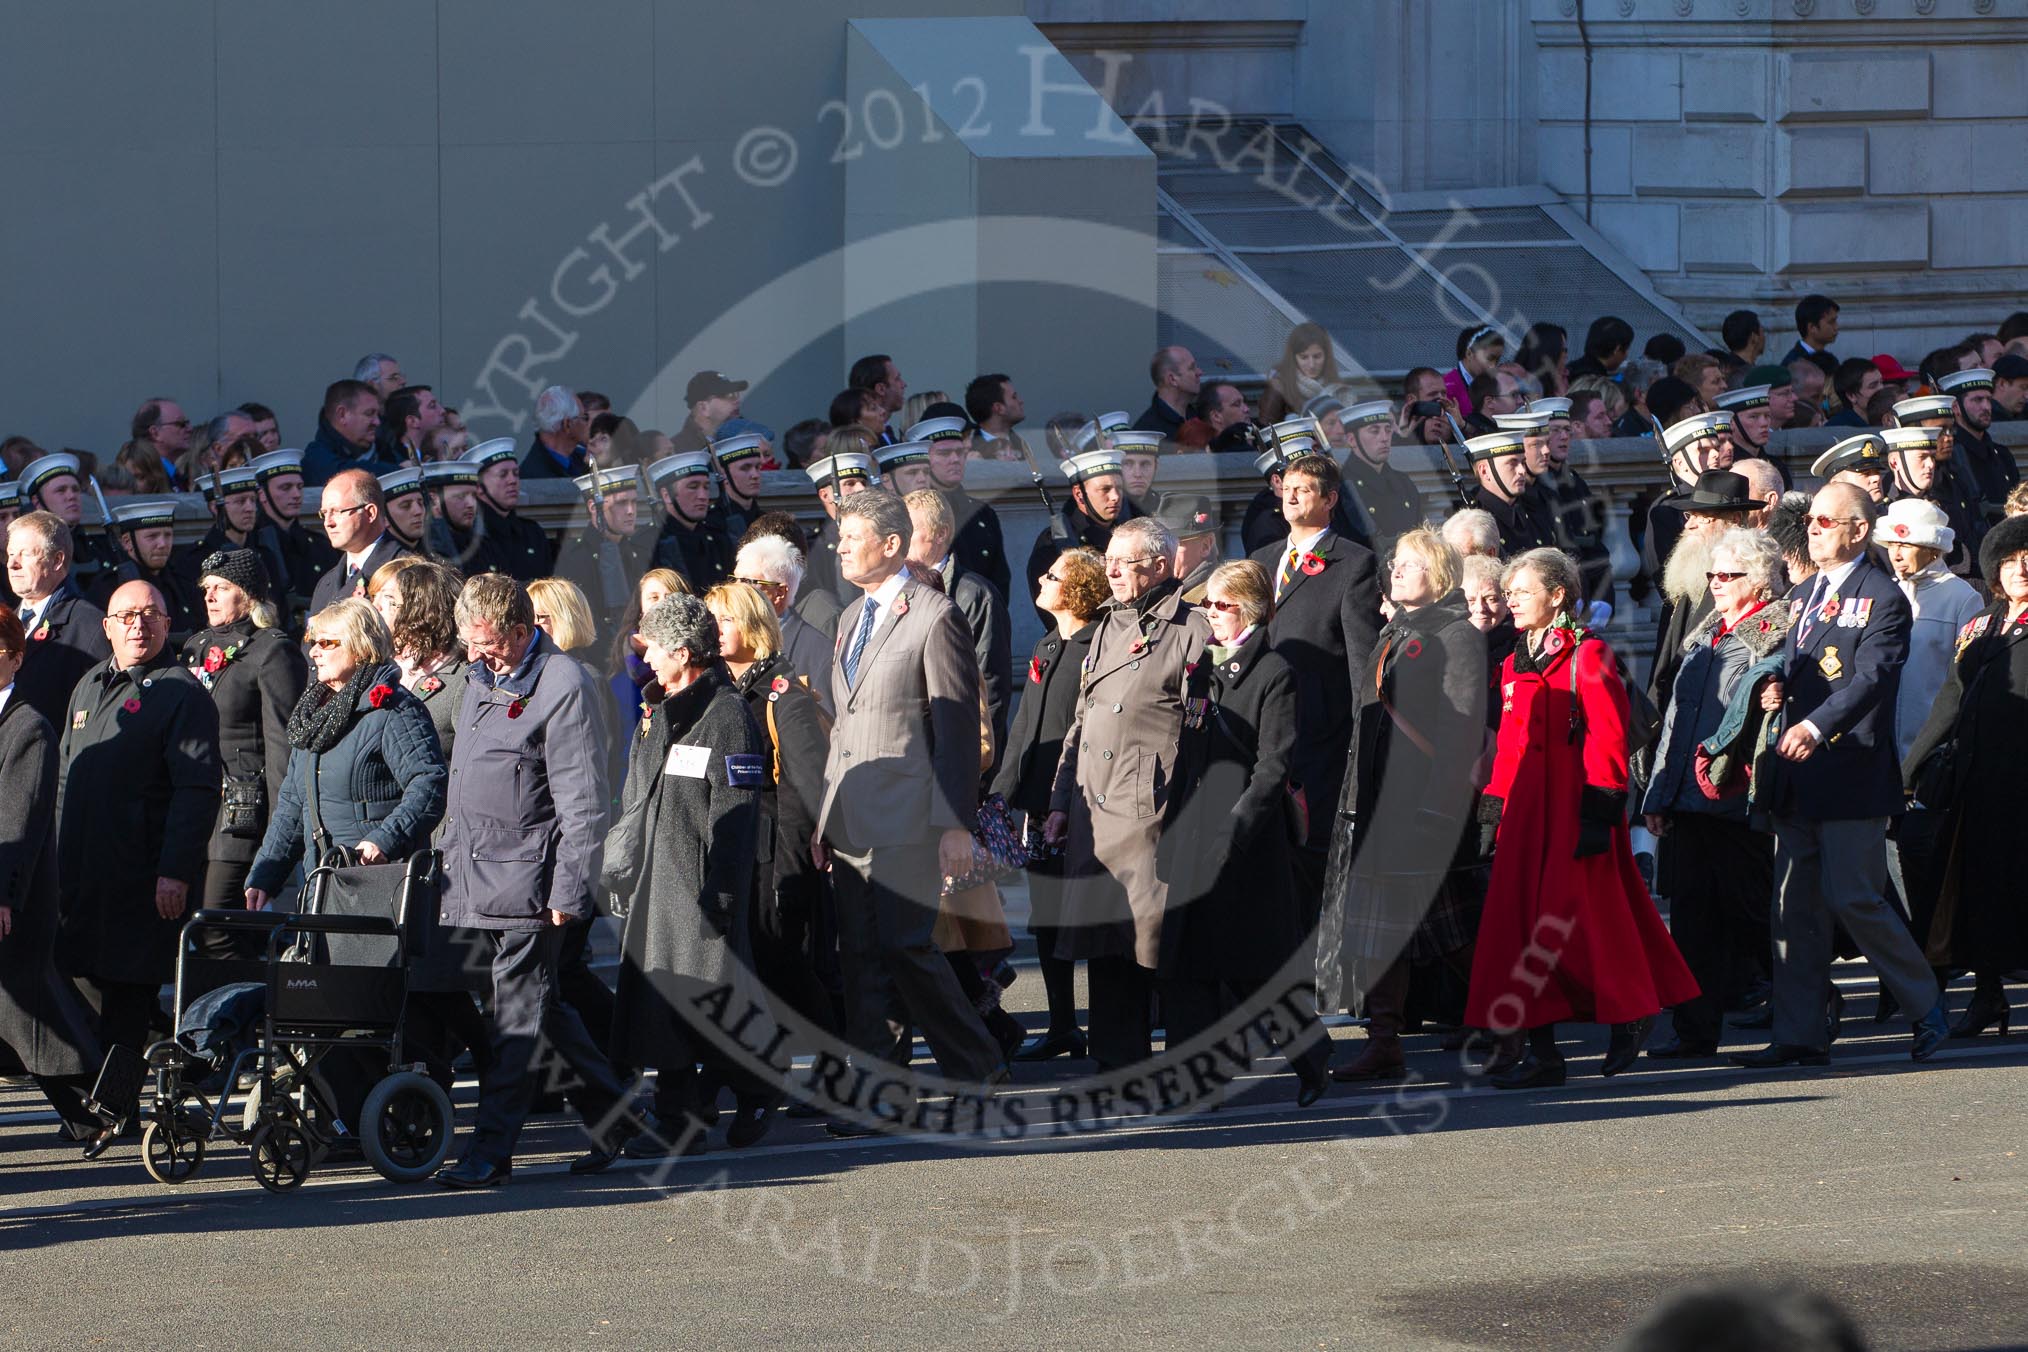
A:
[514,545]
[701,553]
[820,570]
[1068,529]
[977,543]
[1518,533]
[731,517]
[606,571]
[1562,509]
[302,561]
[1391,502]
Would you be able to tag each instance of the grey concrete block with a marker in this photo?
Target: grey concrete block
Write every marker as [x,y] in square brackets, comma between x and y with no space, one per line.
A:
[1628,85]
[1983,81]
[84,76]
[1933,157]
[1850,85]
[1820,161]
[1998,164]
[1986,232]
[343,88]
[1701,161]
[1724,238]
[1646,232]
[1873,234]
[523,72]
[1559,152]
[1726,86]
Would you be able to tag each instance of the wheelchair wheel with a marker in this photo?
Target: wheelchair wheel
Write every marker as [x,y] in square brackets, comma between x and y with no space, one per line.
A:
[405,1127]
[170,1150]
[281,1156]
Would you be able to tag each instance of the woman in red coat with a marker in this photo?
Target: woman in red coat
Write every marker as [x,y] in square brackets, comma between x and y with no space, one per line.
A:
[1568,931]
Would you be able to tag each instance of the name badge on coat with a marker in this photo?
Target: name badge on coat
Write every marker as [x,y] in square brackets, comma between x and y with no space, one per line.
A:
[688,761]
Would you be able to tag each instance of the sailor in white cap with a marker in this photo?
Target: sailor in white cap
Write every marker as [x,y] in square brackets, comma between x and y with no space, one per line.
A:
[740,460]
[516,546]
[979,545]
[1693,446]
[904,466]
[53,483]
[408,513]
[1098,503]
[298,558]
[234,498]
[606,554]
[1387,498]
[1140,458]
[1919,455]
[1989,465]
[146,530]
[1752,410]
[457,531]
[1861,461]
[837,476]
[1564,506]
[1499,464]
[689,540]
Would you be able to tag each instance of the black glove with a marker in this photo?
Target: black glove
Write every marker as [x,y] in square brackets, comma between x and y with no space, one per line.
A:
[1489,822]
[1598,812]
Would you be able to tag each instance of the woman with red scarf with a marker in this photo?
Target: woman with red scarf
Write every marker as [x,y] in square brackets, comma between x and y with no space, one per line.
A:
[1569,931]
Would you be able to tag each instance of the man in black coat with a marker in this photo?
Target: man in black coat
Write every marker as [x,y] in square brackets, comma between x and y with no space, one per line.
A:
[66,633]
[739,466]
[1098,502]
[1923,462]
[457,533]
[514,545]
[606,556]
[136,801]
[1263,525]
[354,512]
[689,542]
[1382,498]
[1989,466]
[977,544]
[1499,462]
[1326,618]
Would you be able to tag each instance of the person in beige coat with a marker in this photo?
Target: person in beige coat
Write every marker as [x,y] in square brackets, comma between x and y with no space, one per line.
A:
[1113,781]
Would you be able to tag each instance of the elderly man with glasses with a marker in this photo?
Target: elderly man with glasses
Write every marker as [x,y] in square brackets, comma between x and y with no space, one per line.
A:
[136,798]
[1117,766]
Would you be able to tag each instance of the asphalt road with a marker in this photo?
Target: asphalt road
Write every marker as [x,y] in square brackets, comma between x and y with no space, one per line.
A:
[1426,1216]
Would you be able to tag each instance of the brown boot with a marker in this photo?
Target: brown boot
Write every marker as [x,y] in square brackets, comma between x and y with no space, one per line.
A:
[1381,1060]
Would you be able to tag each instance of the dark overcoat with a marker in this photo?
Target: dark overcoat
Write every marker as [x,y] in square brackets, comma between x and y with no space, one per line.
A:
[69,639]
[44,1027]
[1034,745]
[254,689]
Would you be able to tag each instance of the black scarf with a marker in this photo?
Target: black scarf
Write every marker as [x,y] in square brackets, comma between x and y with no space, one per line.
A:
[323,715]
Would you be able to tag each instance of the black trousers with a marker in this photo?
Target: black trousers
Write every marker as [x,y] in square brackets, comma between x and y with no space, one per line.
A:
[1915,865]
[1723,874]
[126,1010]
[580,987]
[532,1031]
[1120,1014]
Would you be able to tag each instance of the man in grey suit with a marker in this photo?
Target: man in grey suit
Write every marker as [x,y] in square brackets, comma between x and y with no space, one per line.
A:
[901,792]
[524,823]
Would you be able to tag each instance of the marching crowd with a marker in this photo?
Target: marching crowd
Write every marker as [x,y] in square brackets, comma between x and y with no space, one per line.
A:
[1390,752]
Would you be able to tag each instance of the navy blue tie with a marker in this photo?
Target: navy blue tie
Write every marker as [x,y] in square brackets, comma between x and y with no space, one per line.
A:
[858,648]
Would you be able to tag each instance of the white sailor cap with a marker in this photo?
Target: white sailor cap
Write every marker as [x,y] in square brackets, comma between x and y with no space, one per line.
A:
[679,466]
[613,480]
[1957,382]
[745,446]
[1366,414]
[1091,464]
[1866,452]
[1494,445]
[230,483]
[1926,406]
[141,515]
[489,453]
[938,429]
[1108,423]
[1302,425]
[1696,427]
[38,472]
[1557,407]
[1901,439]
[1523,422]
[441,474]
[1270,461]
[900,453]
[401,483]
[844,465]
[1293,444]
[1745,397]
[1130,442]
[276,463]
[10,494]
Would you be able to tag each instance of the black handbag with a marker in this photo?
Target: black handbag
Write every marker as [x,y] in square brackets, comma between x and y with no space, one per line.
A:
[243,808]
[404,891]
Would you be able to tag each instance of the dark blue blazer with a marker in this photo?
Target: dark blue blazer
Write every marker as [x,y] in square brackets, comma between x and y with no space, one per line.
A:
[1843,676]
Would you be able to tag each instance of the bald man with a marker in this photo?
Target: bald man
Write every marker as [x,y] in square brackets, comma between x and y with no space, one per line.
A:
[137,795]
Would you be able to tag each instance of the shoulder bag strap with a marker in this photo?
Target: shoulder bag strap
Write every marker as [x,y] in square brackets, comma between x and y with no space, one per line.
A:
[320,839]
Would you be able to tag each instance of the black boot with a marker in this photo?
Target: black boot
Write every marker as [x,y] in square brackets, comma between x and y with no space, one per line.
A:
[1541,1068]
[1988,1007]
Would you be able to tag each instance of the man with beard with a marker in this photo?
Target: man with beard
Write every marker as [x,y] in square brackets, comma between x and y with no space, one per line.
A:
[147,532]
[1386,498]
[1719,501]
[1751,407]
[978,545]
[1098,505]
[1566,510]
[837,477]
[515,545]
[1693,445]
[51,483]
[1860,461]
[739,464]
[689,541]
[457,533]
[280,535]
[1989,466]
[407,507]
[1498,461]
[607,555]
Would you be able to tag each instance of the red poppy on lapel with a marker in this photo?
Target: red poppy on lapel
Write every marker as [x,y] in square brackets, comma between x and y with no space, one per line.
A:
[132,704]
[429,685]
[1035,666]
[1312,564]
[214,658]
[378,695]
[779,685]
[1412,648]
[901,605]
[514,709]
[41,632]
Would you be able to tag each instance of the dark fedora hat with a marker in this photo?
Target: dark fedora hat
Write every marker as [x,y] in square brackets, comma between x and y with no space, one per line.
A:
[1716,490]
